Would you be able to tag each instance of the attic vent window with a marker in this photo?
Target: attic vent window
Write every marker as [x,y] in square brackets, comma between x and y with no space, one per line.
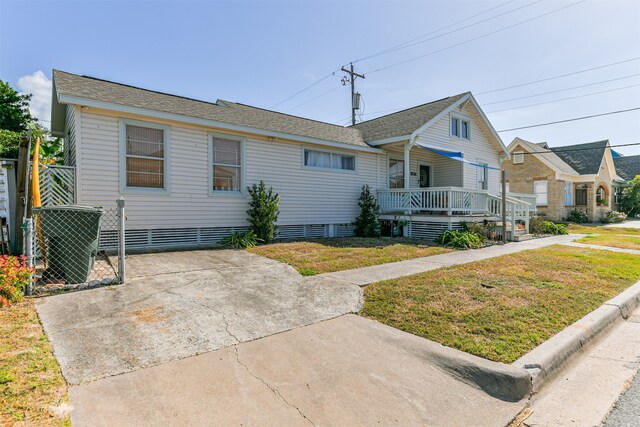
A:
[518,157]
[460,128]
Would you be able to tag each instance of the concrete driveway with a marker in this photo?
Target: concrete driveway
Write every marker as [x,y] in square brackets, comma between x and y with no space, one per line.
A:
[179,304]
[347,371]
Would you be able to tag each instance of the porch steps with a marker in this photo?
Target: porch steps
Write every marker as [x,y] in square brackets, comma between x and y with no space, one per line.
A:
[523,237]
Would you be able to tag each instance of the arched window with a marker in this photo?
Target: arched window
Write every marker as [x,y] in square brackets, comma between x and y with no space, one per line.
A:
[601,196]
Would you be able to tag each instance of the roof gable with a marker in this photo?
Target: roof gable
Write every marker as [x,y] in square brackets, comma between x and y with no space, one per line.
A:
[627,167]
[404,122]
[540,151]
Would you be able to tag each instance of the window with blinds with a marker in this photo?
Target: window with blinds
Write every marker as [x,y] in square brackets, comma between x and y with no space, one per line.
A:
[226,164]
[145,157]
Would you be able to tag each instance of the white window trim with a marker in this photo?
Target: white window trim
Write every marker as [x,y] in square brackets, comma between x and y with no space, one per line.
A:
[123,157]
[546,181]
[485,172]
[514,156]
[243,161]
[397,158]
[321,169]
[461,118]
[568,185]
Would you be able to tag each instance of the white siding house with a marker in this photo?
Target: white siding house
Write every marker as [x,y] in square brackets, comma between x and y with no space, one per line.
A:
[174,196]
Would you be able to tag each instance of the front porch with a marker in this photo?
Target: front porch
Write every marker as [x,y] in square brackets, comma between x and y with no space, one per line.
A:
[429,211]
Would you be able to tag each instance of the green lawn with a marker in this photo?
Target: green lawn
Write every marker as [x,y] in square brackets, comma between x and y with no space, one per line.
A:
[501,308]
[598,229]
[336,254]
[616,241]
[32,389]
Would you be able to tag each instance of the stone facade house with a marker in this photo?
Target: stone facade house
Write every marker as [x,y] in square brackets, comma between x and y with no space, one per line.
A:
[578,177]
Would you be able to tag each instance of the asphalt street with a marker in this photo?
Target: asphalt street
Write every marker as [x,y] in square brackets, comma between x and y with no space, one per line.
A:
[626,412]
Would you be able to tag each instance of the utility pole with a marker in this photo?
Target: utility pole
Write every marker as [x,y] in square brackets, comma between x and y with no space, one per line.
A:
[355,97]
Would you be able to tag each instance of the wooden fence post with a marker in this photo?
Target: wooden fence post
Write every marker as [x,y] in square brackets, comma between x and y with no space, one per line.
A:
[22,194]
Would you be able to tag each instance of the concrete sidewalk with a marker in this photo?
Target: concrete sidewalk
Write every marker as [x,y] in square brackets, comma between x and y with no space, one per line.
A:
[376,273]
[584,393]
[347,371]
[606,248]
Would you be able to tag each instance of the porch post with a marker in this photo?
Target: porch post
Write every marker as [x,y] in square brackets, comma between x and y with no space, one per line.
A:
[407,166]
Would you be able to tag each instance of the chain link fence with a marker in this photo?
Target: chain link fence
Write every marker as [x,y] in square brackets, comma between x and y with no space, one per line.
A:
[76,247]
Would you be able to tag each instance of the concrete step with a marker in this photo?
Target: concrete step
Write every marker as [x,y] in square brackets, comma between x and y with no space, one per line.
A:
[523,237]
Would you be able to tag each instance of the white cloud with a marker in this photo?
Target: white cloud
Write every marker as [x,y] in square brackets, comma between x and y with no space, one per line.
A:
[39,86]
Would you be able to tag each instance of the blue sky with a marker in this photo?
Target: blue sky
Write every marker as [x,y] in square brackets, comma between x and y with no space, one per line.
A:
[260,53]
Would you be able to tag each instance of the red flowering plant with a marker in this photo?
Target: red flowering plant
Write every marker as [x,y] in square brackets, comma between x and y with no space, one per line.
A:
[14,278]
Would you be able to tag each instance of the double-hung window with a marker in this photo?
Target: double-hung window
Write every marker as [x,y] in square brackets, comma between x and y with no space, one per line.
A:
[145,150]
[396,173]
[328,160]
[568,193]
[226,157]
[455,126]
[540,190]
[483,176]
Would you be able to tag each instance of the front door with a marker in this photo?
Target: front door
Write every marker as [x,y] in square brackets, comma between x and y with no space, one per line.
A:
[425,176]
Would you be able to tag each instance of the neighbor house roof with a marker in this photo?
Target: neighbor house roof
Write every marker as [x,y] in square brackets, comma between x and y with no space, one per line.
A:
[584,158]
[541,151]
[73,86]
[404,122]
[627,167]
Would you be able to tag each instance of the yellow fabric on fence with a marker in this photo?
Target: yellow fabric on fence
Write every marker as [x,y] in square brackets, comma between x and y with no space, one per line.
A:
[35,184]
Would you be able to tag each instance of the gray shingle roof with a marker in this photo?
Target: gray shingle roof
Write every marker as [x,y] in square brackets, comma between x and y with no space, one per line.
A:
[404,122]
[223,111]
[627,167]
[584,158]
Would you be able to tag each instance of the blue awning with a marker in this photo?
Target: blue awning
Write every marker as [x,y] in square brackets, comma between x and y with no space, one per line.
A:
[455,155]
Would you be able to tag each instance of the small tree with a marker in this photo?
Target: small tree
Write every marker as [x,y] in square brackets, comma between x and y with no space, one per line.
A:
[631,197]
[263,213]
[367,223]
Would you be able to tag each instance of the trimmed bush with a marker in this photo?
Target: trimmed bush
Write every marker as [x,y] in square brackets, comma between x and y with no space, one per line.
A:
[536,225]
[549,227]
[612,217]
[578,217]
[263,212]
[367,223]
[459,239]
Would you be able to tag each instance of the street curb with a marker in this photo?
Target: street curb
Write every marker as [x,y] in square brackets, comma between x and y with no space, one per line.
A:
[549,358]
[526,375]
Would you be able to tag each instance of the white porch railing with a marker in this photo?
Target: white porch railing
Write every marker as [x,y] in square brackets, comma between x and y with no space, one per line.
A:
[529,198]
[435,199]
[456,201]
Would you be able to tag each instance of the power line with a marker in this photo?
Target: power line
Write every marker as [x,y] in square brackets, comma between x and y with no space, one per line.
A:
[561,90]
[415,41]
[560,76]
[475,38]
[393,47]
[537,81]
[571,120]
[306,88]
[314,98]
[560,150]
[563,99]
